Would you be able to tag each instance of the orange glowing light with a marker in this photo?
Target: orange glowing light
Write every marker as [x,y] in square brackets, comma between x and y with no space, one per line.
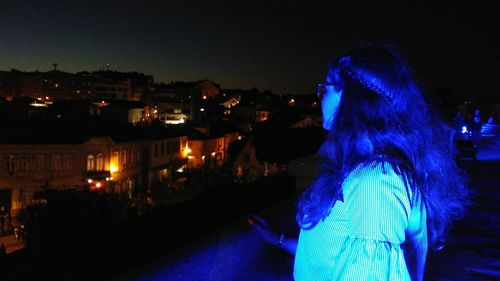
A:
[113,168]
[186,150]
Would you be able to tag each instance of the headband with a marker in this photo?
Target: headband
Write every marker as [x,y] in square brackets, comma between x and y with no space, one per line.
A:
[360,79]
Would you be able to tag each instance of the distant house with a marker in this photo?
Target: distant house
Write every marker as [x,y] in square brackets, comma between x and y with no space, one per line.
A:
[165,157]
[59,85]
[246,167]
[208,146]
[232,101]
[307,121]
[261,115]
[208,89]
[173,112]
[114,89]
[121,111]
[121,161]
[179,102]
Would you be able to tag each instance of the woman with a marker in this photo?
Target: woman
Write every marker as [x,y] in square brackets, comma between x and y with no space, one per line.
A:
[389,187]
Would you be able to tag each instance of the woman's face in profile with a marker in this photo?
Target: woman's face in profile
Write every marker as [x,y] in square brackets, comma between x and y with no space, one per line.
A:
[329,105]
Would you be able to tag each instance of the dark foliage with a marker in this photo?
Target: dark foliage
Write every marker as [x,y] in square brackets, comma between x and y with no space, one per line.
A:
[79,235]
[281,145]
[73,229]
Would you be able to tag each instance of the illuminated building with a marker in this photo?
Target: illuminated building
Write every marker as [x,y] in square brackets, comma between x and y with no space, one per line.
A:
[178,102]
[165,157]
[208,89]
[230,102]
[261,115]
[246,166]
[120,163]
[173,112]
[209,146]
[57,85]
[114,89]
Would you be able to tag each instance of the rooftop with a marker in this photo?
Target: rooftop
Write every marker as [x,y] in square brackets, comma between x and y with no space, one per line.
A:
[236,252]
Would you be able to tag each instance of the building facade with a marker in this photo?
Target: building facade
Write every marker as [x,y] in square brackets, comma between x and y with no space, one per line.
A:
[209,151]
[128,167]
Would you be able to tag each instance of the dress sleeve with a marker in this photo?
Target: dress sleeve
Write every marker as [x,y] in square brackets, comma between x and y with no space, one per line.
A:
[378,204]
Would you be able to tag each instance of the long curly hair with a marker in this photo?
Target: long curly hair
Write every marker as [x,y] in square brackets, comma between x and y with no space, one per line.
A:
[382,114]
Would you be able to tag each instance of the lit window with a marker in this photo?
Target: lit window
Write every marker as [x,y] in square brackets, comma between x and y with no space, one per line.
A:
[114,162]
[56,163]
[90,162]
[100,162]
[10,164]
[67,163]
[40,163]
[124,157]
[23,164]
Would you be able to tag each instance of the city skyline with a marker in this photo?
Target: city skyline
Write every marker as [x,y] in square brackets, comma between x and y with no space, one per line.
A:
[283,48]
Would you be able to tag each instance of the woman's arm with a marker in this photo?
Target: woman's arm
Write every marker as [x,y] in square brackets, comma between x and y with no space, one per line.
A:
[289,245]
[415,255]
[380,206]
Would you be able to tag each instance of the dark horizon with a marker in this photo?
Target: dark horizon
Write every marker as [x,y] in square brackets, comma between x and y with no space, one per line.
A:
[283,48]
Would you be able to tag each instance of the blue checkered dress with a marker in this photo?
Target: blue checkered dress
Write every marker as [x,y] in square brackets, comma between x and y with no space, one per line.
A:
[362,237]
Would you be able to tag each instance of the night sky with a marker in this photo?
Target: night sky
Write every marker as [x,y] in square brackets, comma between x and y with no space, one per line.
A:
[281,46]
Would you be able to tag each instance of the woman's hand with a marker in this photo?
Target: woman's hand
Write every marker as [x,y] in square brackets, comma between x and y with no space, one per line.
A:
[262,227]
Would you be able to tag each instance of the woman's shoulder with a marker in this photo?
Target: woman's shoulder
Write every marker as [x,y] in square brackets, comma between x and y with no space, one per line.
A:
[378,202]
[373,178]
[373,171]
